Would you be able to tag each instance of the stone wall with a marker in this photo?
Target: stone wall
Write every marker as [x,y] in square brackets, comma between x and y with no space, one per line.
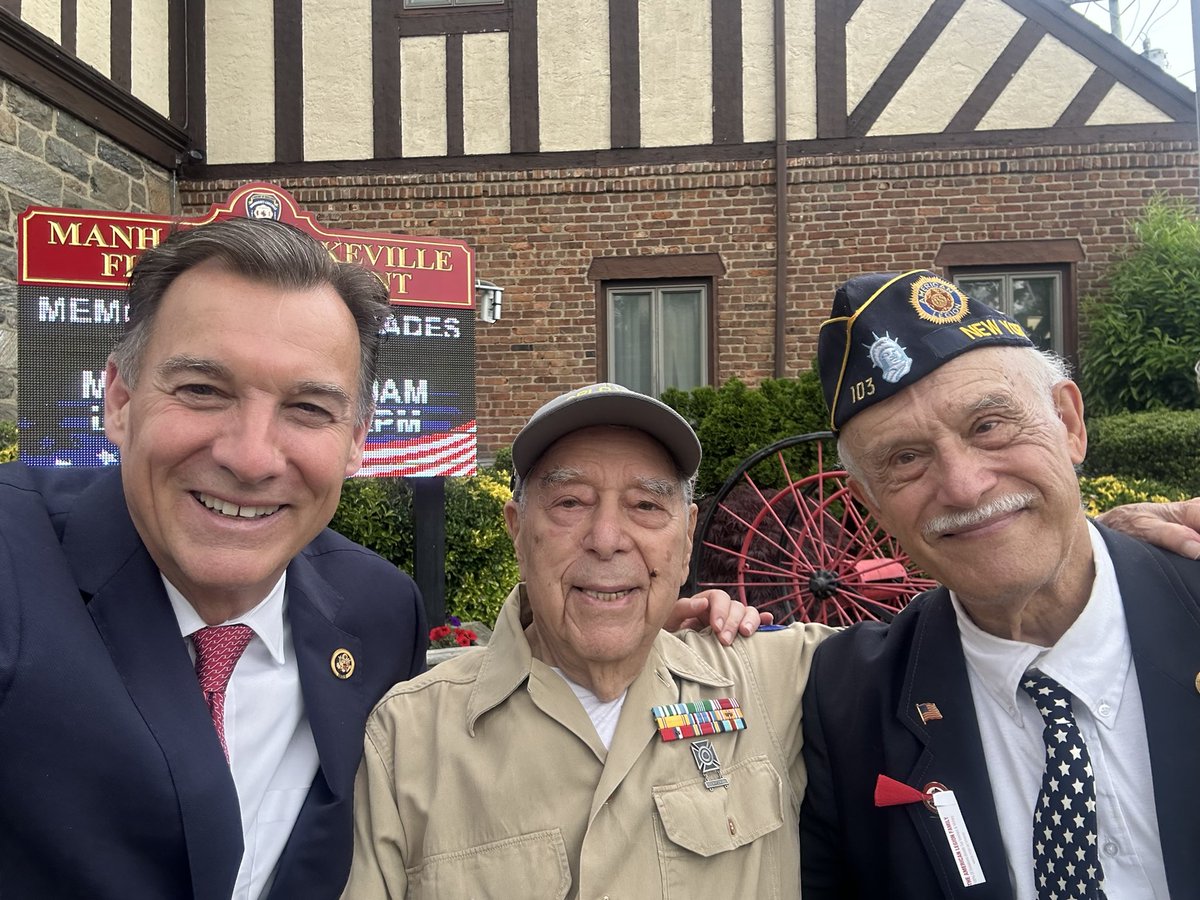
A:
[50,158]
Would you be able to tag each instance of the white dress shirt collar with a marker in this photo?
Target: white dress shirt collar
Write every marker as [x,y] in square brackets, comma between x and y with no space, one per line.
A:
[266,619]
[1090,660]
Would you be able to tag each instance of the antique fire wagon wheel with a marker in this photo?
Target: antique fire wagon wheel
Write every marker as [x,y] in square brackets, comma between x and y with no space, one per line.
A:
[801,548]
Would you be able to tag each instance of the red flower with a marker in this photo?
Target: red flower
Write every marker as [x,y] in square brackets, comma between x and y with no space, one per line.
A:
[441,631]
[464,638]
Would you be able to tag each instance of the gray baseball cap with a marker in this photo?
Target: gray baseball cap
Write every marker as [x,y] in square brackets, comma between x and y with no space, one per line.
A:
[605,404]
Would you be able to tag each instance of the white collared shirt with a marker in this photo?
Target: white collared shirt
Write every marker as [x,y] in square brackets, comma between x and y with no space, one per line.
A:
[272,754]
[1094,661]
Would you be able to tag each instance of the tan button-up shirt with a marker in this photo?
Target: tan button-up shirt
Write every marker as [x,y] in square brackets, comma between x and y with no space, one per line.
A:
[485,778]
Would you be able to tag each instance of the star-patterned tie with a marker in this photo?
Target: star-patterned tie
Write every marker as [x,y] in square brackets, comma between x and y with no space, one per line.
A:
[1066,864]
[218,649]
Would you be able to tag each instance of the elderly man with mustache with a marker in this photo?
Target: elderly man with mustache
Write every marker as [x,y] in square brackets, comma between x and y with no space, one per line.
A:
[1028,729]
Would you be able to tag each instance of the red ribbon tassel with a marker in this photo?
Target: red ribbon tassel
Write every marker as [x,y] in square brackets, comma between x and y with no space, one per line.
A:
[890,792]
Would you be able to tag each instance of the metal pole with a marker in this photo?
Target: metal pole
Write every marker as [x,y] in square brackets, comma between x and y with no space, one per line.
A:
[429,552]
[1114,19]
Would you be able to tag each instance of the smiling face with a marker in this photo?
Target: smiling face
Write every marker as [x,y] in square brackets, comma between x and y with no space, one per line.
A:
[239,431]
[971,469]
[603,539]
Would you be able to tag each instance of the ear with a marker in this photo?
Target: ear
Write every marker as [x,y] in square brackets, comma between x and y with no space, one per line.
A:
[693,512]
[359,436]
[1069,402]
[117,396]
[512,524]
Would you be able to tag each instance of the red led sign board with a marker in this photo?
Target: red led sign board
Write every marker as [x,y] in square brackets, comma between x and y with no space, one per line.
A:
[71,280]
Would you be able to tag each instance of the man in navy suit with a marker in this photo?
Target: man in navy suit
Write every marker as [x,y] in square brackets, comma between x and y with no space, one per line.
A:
[1028,730]
[240,397]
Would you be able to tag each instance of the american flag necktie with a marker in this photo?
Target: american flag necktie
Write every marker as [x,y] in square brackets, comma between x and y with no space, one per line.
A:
[1066,862]
[218,649]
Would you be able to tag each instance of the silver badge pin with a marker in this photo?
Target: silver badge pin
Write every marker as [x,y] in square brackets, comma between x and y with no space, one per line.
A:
[705,755]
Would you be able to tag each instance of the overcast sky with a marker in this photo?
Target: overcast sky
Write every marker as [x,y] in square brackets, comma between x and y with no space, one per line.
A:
[1167,23]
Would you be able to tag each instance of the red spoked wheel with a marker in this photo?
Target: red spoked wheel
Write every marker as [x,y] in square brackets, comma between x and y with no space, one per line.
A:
[799,545]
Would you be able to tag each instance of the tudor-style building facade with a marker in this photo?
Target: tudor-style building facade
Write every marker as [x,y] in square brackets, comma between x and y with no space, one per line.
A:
[615,162]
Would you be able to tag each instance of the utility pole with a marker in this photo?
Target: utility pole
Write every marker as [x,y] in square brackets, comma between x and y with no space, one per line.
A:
[1114,20]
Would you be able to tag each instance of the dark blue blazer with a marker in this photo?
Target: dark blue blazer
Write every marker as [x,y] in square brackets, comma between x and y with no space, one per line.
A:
[112,781]
[861,720]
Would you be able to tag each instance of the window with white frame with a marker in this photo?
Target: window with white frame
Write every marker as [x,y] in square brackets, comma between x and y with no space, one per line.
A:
[657,336]
[1032,297]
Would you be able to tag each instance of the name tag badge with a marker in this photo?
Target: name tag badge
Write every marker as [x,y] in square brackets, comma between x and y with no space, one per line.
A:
[961,847]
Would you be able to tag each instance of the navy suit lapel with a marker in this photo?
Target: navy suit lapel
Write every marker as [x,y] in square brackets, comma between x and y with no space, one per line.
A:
[953,752]
[320,842]
[1165,636]
[332,703]
[130,609]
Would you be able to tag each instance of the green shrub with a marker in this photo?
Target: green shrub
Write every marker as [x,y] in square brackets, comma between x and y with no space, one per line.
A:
[1142,335]
[1163,447]
[480,566]
[503,461]
[378,513]
[734,421]
[1103,492]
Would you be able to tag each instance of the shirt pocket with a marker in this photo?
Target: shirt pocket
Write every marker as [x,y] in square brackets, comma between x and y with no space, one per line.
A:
[698,827]
[530,865]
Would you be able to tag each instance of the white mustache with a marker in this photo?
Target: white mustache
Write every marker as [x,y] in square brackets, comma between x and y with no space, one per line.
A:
[968,518]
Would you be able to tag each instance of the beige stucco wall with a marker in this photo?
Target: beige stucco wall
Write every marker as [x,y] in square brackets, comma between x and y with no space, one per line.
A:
[758,70]
[150,65]
[1121,105]
[675,44]
[573,97]
[574,90]
[93,35]
[423,95]
[485,93]
[800,26]
[950,71]
[874,33]
[1041,90]
[338,111]
[240,81]
[45,16]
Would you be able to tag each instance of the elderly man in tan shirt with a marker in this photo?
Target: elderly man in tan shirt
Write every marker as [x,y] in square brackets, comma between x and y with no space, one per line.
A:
[585,752]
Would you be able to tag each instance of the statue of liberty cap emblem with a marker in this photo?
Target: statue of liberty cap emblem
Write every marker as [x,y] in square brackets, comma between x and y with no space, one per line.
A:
[887,355]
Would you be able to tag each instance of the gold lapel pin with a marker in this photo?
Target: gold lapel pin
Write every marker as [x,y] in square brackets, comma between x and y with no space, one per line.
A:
[342,663]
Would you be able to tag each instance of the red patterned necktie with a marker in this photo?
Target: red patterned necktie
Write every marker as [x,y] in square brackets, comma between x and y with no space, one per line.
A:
[218,649]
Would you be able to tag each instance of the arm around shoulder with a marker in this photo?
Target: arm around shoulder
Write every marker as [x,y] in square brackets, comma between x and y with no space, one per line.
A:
[1172,526]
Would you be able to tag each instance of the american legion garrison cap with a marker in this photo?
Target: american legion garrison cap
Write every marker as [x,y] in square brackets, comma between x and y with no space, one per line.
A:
[888,331]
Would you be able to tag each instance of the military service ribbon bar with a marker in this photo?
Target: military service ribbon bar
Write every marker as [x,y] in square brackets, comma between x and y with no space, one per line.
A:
[686,720]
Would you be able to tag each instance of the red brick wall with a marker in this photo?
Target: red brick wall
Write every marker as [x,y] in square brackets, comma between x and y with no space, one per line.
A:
[537,232]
